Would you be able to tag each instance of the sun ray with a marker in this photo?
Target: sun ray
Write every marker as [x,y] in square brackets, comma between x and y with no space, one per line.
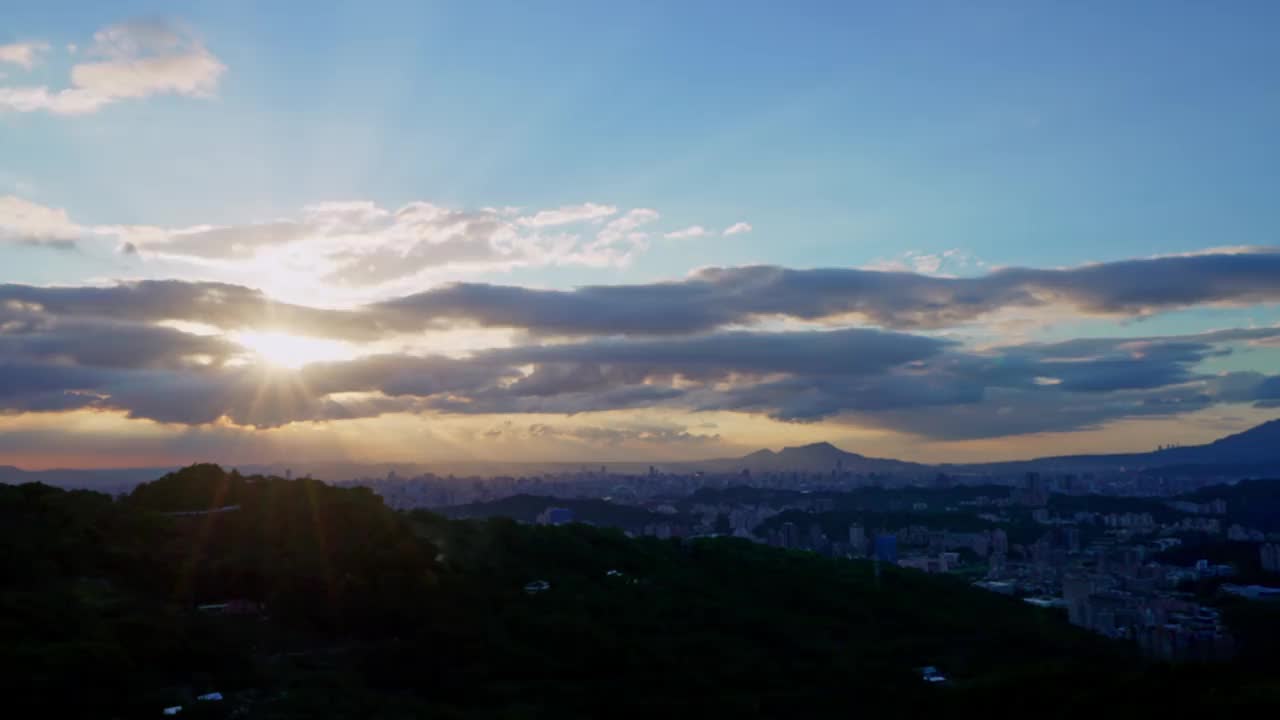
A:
[292,351]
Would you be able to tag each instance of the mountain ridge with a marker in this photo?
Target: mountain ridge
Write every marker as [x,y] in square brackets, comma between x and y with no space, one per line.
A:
[1252,451]
[1259,445]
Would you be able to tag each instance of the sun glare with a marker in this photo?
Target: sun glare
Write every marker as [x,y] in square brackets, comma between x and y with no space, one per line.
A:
[293,351]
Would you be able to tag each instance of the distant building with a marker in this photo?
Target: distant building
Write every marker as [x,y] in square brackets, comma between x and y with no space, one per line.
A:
[555,516]
[997,586]
[1270,557]
[817,538]
[1034,490]
[1252,592]
[1046,602]
[930,674]
[858,540]
[1239,533]
[1000,542]
[790,535]
[939,564]
[1075,591]
[887,548]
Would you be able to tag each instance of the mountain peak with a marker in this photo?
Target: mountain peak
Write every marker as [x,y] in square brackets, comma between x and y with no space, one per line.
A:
[818,449]
[817,446]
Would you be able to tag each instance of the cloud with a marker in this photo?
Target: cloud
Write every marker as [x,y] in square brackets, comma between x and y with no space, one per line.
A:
[230,242]
[132,61]
[947,262]
[708,300]
[719,297]
[224,306]
[100,348]
[568,214]
[363,250]
[29,223]
[852,351]
[358,246]
[113,345]
[693,231]
[629,434]
[737,228]
[620,238]
[23,54]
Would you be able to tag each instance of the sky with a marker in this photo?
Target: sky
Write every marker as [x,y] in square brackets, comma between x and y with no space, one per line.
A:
[412,231]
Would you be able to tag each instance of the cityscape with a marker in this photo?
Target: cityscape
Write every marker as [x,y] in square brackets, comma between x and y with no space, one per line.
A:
[674,359]
[1115,550]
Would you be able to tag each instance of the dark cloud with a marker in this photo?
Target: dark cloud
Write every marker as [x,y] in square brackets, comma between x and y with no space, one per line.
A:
[844,352]
[39,387]
[718,297]
[906,382]
[397,375]
[112,344]
[100,347]
[675,308]
[1005,412]
[709,300]
[222,305]
[499,400]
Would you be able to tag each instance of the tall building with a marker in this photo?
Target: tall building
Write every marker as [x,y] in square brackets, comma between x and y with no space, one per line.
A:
[790,535]
[1000,541]
[1270,557]
[887,548]
[1035,491]
[817,538]
[858,540]
[1075,591]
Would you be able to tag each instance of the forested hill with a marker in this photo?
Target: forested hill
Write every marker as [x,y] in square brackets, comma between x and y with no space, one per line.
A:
[321,602]
[527,508]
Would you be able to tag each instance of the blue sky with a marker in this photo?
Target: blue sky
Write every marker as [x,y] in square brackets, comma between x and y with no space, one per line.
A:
[1027,133]
[1035,134]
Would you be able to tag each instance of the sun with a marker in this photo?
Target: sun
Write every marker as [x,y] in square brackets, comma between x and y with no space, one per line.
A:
[293,351]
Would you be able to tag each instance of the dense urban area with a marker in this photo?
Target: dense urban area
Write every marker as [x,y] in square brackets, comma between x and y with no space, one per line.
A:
[1138,558]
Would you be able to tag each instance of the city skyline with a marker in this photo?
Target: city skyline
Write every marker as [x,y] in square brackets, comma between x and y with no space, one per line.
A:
[399,232]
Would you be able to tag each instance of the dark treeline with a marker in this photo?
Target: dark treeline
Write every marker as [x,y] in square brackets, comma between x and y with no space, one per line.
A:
[328,604]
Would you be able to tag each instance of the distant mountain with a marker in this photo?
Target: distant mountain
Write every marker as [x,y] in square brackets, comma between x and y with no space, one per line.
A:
[817,457]
[1255,450]
[1252,453]
[106,480]
[1256,445]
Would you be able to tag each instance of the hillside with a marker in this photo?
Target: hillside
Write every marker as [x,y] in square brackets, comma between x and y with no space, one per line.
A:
[347,609]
